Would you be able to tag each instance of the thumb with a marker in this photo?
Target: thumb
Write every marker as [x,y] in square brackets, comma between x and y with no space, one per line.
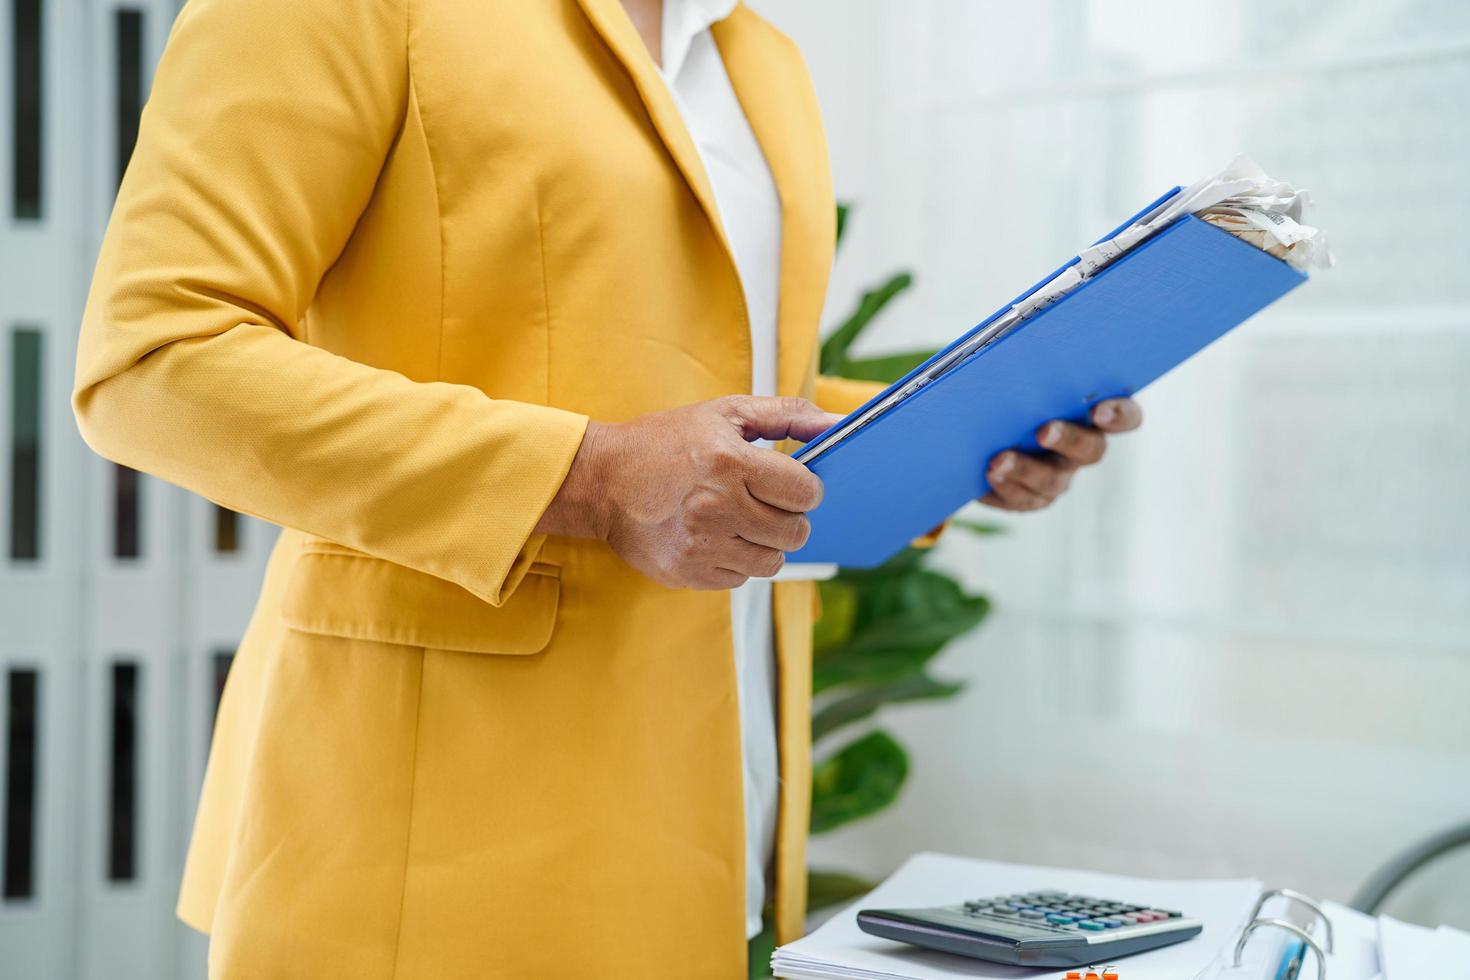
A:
[777,418]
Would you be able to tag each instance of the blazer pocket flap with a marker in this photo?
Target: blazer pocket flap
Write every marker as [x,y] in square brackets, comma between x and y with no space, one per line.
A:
[366,598]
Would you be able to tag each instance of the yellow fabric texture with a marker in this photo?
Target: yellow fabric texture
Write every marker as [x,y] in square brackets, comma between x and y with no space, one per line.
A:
[372,267]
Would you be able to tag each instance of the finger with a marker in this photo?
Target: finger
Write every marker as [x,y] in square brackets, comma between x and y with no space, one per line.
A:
[771,527]
[1046,477]
[716,578]
[751,560]
[993,499]
[1009,495]
[781,481]
[776,418]
[1014,498]
[1078,443]
[1117,415]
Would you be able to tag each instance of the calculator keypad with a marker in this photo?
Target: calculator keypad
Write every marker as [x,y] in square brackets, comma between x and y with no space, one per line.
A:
[1061,913]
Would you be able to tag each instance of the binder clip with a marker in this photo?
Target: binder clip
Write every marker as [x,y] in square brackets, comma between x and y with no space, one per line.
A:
[1108,973]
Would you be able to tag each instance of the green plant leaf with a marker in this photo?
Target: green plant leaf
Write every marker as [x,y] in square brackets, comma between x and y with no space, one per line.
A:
[834,348]
[758,956]
[887,368]
[977,527]
[902,621]
[842,212]
[866,700]
[825,888]
[839,610]
[858,780]
[899,564]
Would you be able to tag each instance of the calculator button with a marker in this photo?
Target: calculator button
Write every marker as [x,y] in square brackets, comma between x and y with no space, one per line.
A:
[1111,923]
[1003,910]
[1091,926]
[1150,916]
[1058,919]
[1031,914]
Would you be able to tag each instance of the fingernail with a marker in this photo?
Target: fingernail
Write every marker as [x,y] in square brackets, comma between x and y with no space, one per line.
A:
[1003,468]
[1051,434]
[1106,412]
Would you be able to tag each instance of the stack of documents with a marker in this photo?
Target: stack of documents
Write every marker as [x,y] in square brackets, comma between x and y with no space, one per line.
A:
[839,950]
[1362,947]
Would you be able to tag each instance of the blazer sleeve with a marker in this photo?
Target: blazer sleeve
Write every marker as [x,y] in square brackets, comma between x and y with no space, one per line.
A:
[260,145]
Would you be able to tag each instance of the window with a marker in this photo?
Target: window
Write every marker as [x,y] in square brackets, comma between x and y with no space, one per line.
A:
[25,88]
[20,783]
[122,810]
[127,517]
[128,29]
[226,531]
[220,663]
[25,445]
[1237,587]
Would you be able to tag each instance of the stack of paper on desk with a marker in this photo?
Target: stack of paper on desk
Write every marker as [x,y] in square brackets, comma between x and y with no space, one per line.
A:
[839,950]
[1410,952]
[1362,947]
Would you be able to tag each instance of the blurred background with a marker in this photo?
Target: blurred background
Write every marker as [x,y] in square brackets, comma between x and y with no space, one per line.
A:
[1240,648]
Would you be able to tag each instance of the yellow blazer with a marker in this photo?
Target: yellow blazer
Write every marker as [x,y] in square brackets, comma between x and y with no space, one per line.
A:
[373,266]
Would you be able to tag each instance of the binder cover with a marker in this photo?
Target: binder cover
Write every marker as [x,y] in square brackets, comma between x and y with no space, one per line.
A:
[1149,310]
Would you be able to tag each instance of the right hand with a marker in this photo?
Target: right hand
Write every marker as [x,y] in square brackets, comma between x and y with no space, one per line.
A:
[683,497]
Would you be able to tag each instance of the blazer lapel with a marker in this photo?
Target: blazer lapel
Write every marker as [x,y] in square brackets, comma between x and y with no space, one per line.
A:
[774,90]
[618,32]
[771,83]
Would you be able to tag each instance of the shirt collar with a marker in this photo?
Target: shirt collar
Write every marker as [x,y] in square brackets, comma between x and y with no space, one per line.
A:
[683,21]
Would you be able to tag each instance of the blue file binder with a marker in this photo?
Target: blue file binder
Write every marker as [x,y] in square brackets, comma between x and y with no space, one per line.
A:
[1152,308]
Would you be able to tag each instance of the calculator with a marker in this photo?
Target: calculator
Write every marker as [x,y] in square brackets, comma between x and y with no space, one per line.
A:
[1042,928]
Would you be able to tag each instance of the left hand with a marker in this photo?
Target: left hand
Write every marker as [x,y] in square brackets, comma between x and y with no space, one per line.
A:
[1031,481]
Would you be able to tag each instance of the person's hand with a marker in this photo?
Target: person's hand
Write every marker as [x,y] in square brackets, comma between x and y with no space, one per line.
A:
[1026,481]
[683,497]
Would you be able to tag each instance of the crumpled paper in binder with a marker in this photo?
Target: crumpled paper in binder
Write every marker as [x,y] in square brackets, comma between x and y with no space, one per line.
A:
[1241,199]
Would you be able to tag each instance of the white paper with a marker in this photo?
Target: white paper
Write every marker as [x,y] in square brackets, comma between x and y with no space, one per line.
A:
[1354,953]
[1413,952]
[1457,941]
[839,949]
[804,571]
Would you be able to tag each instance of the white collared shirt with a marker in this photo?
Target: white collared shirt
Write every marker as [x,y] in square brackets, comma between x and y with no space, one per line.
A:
[750,210]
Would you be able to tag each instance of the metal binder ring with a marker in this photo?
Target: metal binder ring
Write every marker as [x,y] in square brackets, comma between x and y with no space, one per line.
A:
[1295,930]
[1296,896]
